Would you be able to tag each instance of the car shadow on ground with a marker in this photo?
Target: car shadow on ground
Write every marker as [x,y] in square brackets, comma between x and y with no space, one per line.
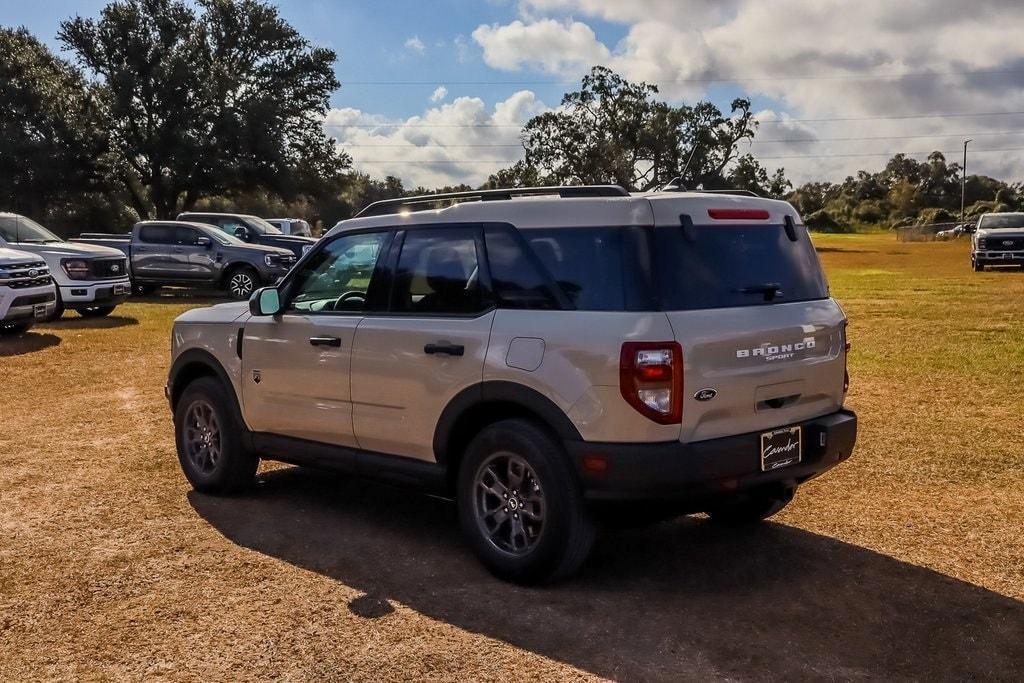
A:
[29,342]
[72,321]
[681,600]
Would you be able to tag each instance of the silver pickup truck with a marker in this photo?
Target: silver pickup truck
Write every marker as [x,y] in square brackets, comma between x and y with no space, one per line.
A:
[27,293]
[181,253]
[92,280]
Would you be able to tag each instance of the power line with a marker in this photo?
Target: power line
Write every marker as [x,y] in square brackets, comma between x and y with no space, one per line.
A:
[788,156]
[755,141]
[771,122]
[713,79]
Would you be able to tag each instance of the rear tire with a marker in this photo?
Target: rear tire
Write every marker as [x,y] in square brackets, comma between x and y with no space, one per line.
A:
[208,436]
[520,504]
[14,329]
[96,311]
[241,282]
[753,507]
[58,307]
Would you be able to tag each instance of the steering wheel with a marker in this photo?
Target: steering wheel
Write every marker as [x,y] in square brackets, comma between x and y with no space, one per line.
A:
[354,296]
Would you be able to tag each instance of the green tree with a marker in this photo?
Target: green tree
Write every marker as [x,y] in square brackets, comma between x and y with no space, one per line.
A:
[52,145]
[748,174]
[207,98]
[615,131]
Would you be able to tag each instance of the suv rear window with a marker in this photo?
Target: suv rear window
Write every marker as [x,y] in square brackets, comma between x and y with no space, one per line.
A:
[724,266]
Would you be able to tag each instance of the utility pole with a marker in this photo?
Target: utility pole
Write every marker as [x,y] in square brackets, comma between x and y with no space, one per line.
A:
[963,181]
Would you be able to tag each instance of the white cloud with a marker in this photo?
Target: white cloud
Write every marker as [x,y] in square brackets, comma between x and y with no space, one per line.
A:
[440,92]
[416,45]
[875,60]
[552,45]
[462,141]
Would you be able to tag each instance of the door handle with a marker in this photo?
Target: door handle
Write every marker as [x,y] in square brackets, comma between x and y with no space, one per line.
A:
[444,347]
[326,341]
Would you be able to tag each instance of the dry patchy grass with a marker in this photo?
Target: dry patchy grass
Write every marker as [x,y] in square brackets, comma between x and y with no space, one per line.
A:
[905,560]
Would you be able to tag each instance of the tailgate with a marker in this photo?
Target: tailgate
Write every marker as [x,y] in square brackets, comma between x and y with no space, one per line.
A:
[765,366]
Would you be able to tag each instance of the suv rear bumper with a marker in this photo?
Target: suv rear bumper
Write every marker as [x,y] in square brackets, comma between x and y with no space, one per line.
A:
[706,469]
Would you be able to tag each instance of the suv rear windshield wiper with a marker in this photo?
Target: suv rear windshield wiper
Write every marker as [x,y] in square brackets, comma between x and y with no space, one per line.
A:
[769,289]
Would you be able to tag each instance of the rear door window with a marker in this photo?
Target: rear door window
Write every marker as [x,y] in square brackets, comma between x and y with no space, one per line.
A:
[438,273]
[517,276]
[735,265]
[157,234]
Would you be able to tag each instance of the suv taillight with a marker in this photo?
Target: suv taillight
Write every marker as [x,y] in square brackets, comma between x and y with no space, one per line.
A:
[651,379]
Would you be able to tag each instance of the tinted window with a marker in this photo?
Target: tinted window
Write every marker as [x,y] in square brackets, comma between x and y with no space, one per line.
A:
[1013,220]
[186,236]
[722,266]
[437,273]
[157,234]
[516,276]
[597,269]
[337,277]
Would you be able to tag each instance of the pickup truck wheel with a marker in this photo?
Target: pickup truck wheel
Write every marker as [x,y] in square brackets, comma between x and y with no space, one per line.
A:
[14,329]
[242,282]
[753,507]
[208,440]
[520,505]
[978,267]
[96,311]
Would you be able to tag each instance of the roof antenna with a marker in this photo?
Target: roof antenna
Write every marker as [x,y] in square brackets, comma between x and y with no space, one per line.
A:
[676,184]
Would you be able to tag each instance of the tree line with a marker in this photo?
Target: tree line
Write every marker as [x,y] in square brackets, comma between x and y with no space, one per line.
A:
[167,105]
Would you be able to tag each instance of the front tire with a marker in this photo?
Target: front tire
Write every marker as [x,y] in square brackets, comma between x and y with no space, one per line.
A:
[96,311]
[208,436]
[978,267]
[520,504]
[241,282]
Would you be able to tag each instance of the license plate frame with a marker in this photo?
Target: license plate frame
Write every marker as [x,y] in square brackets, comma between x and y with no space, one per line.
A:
[781,447]
[121,289]
[39,311]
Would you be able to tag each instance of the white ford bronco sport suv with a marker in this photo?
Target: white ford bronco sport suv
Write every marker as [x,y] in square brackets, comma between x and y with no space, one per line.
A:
[542,355]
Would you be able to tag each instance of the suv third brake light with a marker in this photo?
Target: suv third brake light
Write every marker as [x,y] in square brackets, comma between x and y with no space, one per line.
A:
[738,214]
[651,379]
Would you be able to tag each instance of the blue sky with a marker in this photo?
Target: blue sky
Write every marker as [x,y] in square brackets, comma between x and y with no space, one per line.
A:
[837,86]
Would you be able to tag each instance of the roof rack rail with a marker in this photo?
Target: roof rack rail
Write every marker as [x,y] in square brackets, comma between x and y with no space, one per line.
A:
[385,206]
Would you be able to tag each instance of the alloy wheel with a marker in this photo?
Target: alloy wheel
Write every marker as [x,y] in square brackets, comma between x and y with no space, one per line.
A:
[508,503]
[203,443]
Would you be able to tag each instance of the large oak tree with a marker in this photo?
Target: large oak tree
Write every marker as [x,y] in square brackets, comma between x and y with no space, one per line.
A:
[207,98]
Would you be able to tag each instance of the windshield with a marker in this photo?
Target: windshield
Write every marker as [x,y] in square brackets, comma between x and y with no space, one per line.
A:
[225,238]
[261,226]
[1008,220]
[18,229]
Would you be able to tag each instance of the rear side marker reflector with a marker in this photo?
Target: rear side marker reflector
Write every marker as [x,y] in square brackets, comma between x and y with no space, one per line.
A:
[738,214]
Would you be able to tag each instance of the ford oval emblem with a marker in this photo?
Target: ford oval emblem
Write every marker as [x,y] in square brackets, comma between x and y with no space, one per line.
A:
[705,394]
[33,272]
[1007,243]
[115,268]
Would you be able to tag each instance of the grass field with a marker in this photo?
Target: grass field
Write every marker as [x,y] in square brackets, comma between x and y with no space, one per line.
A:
[905,562]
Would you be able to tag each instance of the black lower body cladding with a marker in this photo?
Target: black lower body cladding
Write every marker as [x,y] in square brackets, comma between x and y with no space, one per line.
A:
[706,469]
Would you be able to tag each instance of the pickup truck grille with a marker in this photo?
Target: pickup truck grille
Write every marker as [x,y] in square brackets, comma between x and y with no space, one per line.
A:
[24,275]
[108,268]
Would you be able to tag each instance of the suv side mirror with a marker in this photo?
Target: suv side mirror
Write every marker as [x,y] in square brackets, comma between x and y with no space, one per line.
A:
[204,242]
[242,234]
[265,301]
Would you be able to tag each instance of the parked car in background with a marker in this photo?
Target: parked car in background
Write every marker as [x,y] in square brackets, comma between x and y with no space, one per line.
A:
[536,358]
[251,229]
[90,279]
[195,254]
[998,241]
[955,232]
[292,226]
[27,292]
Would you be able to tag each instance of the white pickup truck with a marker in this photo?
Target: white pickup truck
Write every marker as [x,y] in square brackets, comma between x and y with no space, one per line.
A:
[27,293]
[90,279]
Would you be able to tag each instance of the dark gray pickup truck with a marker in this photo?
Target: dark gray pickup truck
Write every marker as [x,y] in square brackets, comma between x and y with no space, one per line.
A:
[194,254]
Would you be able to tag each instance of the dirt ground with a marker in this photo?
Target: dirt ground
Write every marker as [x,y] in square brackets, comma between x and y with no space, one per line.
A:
[907,562]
